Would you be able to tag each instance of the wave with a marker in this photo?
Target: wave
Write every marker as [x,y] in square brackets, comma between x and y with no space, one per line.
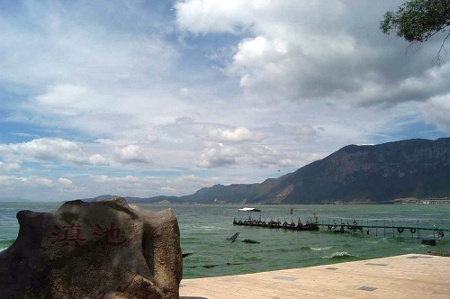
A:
[338,255]
[321,248]
[373,241]
[211,228]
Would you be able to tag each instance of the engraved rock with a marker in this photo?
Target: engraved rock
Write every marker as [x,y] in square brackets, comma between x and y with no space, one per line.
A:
[101,249]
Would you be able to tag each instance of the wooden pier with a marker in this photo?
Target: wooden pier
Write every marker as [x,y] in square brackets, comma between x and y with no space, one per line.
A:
[380,228]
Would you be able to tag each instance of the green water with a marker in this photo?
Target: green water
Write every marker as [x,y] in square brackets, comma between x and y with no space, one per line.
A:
[205,228]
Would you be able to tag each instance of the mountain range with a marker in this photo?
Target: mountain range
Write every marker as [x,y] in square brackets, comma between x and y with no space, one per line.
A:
[380,173]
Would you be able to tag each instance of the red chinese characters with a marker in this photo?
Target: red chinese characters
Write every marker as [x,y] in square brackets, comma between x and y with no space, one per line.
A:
[69,235]
[113,235]
[72,235]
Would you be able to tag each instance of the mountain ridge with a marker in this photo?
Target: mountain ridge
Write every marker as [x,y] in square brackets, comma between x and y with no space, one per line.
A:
[380,173]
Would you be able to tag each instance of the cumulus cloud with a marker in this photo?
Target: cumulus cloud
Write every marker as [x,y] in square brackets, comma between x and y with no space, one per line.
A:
[219,156]
[126,185]
[65,182]
[98,160]
[297,132]
[28,182]
[200,16]
[51,149]
[9,166]
[260,156]
[131,154]
[237,135]
[110,179]
[437,110]
[318,50]
[65,99]
[168,190]
[204,91]
[63,54]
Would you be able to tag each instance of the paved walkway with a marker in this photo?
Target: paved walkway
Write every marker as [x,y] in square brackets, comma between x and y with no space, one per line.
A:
[406,276]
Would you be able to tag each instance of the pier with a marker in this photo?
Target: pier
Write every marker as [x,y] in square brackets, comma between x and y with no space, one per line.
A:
[380,228]
[258,222]
[385,228]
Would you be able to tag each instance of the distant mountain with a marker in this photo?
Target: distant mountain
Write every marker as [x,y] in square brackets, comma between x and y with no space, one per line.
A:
[378,173]
[356,173]
[13,199]
[100,197]
[156,199]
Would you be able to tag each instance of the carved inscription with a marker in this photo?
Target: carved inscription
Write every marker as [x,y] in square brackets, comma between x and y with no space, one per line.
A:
[69,235]
[113,235]
[72,235]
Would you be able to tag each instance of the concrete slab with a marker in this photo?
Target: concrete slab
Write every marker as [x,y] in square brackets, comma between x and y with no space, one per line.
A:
[407,276]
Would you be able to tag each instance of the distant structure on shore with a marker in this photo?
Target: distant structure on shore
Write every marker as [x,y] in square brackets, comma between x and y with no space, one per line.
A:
[423,201]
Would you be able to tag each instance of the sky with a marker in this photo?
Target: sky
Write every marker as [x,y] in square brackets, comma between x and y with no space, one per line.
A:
[157,97]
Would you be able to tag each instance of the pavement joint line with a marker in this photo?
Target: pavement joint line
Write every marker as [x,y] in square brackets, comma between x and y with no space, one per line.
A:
[367,288]
[376,264]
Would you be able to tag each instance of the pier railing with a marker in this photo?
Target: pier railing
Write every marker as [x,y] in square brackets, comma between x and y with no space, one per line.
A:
[427,234]
[384,228]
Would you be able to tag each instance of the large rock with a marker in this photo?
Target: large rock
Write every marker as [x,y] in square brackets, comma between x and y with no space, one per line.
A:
[104,249]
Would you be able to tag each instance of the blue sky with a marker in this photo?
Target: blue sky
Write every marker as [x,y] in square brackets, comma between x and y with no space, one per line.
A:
[145,98]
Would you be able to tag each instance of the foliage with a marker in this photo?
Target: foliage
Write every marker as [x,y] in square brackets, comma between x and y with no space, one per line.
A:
[418,21]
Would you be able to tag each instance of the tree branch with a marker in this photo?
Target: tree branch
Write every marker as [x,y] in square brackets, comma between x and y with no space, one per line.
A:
[440,59]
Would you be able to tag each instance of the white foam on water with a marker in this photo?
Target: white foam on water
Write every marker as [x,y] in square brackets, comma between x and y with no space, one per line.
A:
[321,248]
[337,255]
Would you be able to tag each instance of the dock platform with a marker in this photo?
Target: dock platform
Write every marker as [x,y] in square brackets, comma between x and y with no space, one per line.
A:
[407,276]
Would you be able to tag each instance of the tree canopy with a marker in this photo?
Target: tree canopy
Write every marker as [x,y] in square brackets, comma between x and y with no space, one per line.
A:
[419,20]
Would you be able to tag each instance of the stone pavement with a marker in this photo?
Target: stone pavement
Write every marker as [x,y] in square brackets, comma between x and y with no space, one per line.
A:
[407,276]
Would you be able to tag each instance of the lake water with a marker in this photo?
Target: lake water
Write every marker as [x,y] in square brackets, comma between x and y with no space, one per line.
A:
[205,228]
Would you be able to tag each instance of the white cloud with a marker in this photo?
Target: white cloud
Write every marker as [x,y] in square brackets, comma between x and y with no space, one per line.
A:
[98,160]
[219,156]
[189,178]
[168,190]
[51,149]
[65,182]
[301,132]
[87,71]
[240,134]
[63,98]
[25,182]
[318,50]
[208,92]
[7,166]
[203,16]
[128,185]
[437,111]
[131,154]
[259,156]
[109,179]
